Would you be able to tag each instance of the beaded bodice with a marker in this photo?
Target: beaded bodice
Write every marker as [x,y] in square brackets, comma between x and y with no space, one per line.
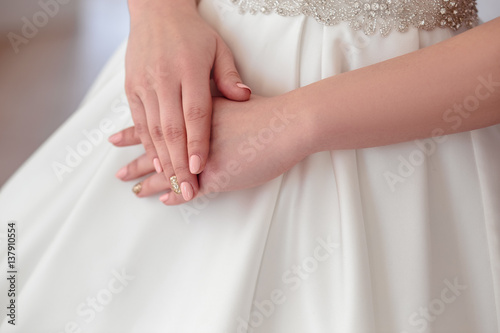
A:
[371,16]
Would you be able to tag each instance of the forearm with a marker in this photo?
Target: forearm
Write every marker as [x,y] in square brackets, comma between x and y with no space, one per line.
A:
[431,92]
[176,7]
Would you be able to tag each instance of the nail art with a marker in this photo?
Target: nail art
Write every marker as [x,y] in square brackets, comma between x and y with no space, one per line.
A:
[137,188]
[175,185]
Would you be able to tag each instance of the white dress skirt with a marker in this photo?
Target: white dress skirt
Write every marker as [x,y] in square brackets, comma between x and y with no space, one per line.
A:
[403,238]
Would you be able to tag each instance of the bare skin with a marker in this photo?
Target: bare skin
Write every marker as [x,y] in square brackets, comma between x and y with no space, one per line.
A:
[171,55]
[430,92]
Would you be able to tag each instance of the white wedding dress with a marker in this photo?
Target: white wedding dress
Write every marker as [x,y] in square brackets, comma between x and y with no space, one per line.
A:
[400,238]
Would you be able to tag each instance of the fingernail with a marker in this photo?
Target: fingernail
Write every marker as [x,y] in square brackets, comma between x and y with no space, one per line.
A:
[194,164]
[244,86]
[121,173]
[157,165]
[115,138]
[137,188]
[187,191]
[164,197]
[175,185]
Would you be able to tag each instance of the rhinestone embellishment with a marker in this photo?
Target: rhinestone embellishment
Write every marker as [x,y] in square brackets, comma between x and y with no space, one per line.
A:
[371,16]
[175,185]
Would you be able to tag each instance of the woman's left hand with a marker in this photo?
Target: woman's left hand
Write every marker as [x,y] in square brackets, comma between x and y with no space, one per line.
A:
[251,143]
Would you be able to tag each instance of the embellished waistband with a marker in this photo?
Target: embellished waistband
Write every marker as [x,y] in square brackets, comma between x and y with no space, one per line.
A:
[373,15]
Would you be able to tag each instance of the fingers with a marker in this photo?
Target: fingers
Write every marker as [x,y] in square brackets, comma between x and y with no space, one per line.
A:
[197,105]
[139,167]
[141,123]
[170,199]
[156,183]
[161,160]
[174,134]
[152,185]
[126,137]
[226,75]
[164,135]
[173,122]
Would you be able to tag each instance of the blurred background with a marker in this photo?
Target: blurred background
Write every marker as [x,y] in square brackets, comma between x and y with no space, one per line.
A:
[44,78]
[42,83]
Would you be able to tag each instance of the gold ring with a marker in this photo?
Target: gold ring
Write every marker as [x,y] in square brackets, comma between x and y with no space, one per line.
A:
[137,188]
[175,185]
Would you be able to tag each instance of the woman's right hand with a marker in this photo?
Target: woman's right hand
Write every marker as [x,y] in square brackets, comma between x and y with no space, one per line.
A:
[172,53]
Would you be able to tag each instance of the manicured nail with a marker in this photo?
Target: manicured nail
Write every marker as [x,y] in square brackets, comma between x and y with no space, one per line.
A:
[137,188]
[115,138]
[244,86]
[187,191]
[164,197]
[195,164]
[175,185]
[157,165]
[121,173]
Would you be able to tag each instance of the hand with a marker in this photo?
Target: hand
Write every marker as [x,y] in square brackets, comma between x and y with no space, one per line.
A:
[252,142]
[170,56]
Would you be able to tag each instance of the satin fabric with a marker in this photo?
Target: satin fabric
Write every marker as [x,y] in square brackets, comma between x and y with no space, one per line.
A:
[400,238]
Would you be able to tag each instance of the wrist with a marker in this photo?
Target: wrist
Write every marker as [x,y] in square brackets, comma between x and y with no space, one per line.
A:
[138,7]
[300,131]
[325,117]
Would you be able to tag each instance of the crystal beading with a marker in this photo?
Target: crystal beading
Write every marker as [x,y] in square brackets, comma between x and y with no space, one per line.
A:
[373,15]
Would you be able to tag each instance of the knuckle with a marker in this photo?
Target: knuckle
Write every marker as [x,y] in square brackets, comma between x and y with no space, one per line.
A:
[133,168]
[140,129]
[197,143]
[149,147]
[138,89]
[129,88]
[196,113]
[224,50]
[173,134]
[231,73]
[227,74]
[154,79]
[167,166]
[182,61]
[184,58]
[156,133]
[182,171]
[135,89]
[134,100]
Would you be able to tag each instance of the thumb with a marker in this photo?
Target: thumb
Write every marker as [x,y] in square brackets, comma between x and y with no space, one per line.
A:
[226,75]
